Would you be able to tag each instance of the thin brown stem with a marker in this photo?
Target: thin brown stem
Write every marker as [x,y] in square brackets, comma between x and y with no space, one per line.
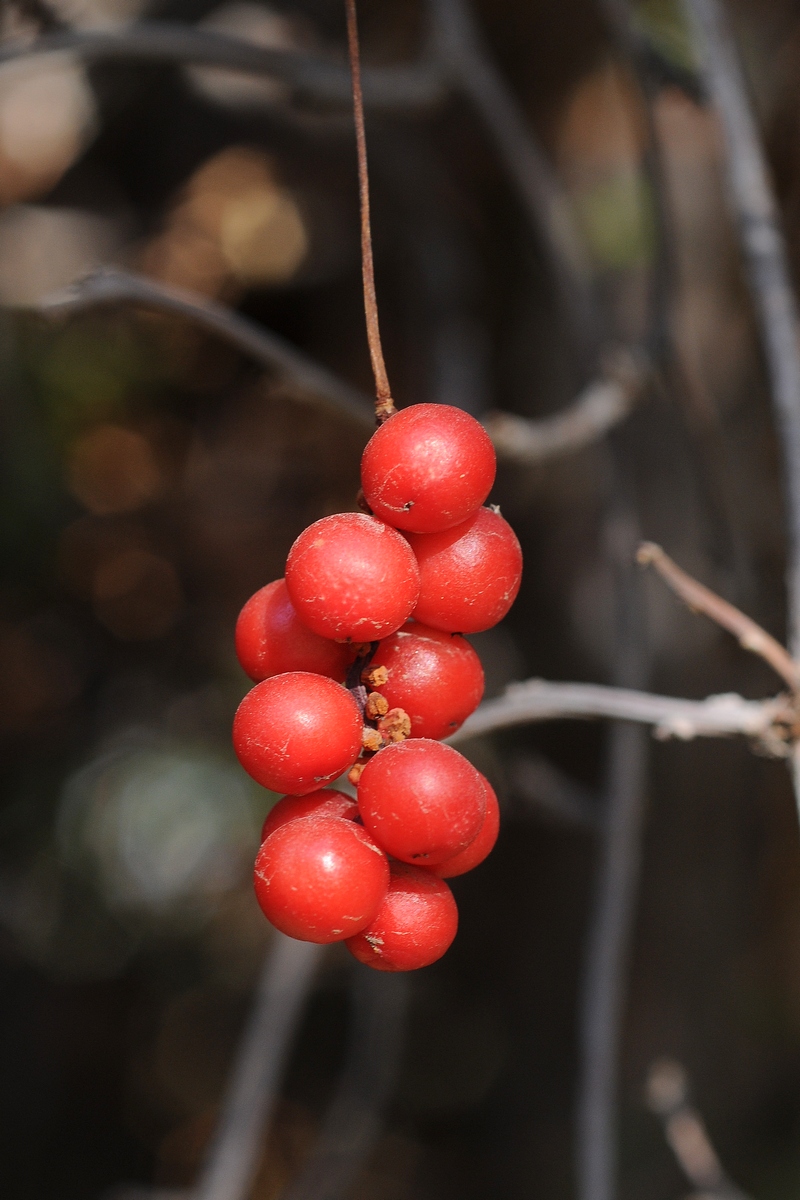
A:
[384,405]
[701,599]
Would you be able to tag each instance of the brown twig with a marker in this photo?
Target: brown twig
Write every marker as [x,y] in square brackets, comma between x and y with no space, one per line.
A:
[701,599]
[384,405]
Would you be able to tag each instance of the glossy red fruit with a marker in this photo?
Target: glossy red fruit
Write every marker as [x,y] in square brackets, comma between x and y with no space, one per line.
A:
[469,575]
[320,879]
[481,847]
[435,677]
[415,924]
[271,639]
[327,802]
[352,578]
[427,468]
[296,732]
[421,801]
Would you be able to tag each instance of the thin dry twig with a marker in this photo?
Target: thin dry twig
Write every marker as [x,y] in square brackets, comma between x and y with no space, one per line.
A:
[110,286]
[667,1094]
[417,86]
[459,45]
[768,722]
[283,989]
[598,409]
[701,599]
[384,406]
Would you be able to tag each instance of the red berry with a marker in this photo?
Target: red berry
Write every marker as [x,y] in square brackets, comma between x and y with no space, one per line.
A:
[427,468]
[352,578]
[296,732]
[469,575]
[320,879]
[421,801]
[326,802]
[415,924]
[271,639]
[483,845]
[435,677]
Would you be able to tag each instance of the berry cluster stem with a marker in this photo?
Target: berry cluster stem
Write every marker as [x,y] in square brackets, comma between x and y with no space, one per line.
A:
[384,405]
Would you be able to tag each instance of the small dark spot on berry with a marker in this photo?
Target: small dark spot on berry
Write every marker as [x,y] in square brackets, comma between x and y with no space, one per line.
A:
[408,504]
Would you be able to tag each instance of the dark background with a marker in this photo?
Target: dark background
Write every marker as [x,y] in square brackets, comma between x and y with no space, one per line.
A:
[153,478]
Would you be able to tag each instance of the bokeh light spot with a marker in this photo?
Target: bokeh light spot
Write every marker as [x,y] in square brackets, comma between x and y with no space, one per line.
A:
[113,470]
[137,595]
[47,114]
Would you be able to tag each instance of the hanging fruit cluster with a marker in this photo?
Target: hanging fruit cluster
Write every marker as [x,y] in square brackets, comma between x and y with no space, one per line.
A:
[379,602]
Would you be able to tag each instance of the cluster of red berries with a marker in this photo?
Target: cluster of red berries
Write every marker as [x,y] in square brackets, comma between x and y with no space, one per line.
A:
[379,602]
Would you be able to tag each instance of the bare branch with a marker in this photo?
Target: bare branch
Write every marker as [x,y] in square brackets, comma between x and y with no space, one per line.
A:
[605,985]
[353,1120]
[701,599]
[716,716]
[460,47]
[684,1129]
[110,286]
[419,85]
[764,250]
[598,408]
[253,1089]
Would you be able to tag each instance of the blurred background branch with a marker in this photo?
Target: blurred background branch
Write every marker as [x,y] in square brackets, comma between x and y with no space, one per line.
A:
[685,1132]
[404,88]
[604,995]
[255,1080]
[599,407]
[764,252]
[110,286]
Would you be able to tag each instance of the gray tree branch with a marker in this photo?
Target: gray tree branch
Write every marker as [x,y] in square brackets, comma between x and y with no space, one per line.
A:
[605,979]
[716,716]
[764,249]
[602,405]
[459,46]
[110,286]
[419,85]
[253,1088]
[353,1121]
